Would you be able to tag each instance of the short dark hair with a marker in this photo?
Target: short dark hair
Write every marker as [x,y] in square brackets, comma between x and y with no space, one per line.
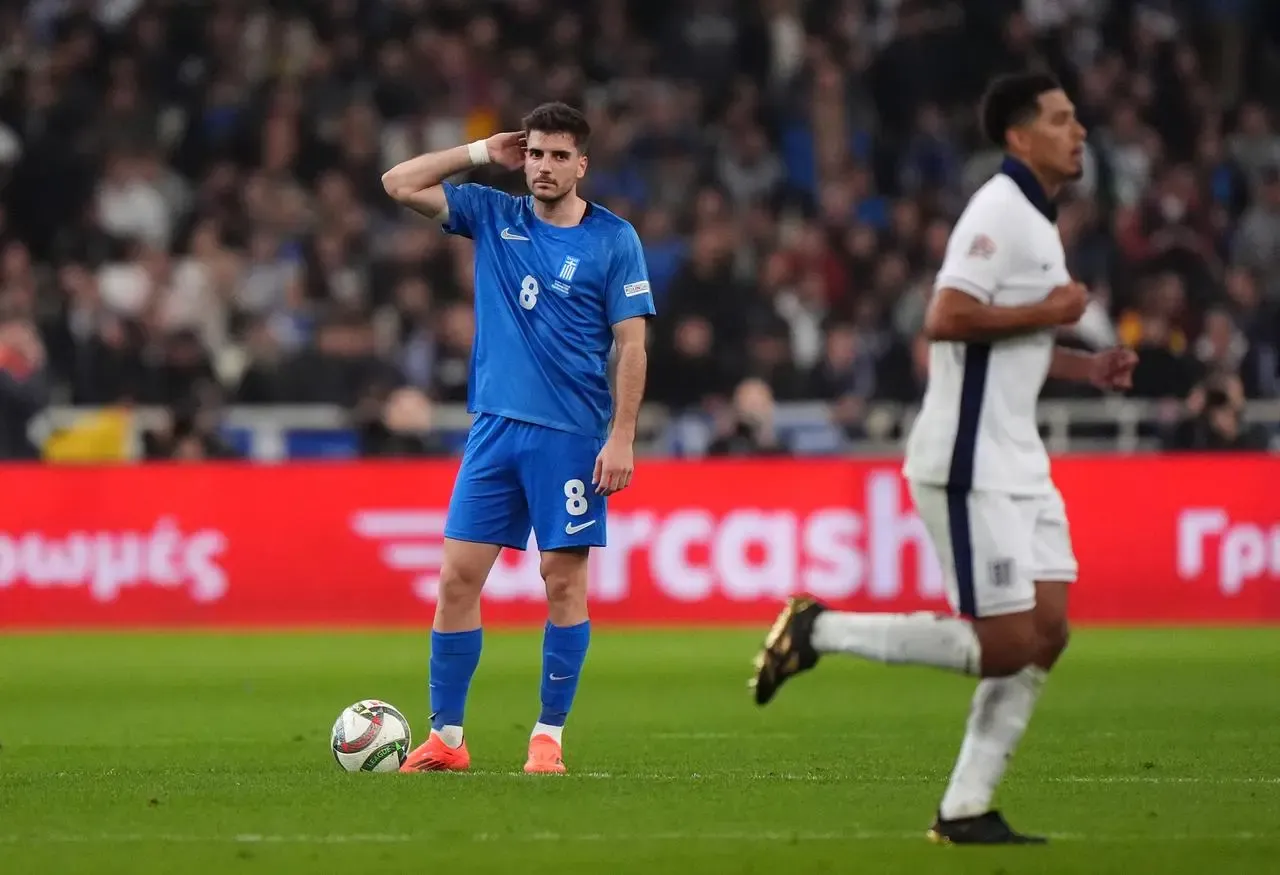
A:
[1013,100]
[560,118]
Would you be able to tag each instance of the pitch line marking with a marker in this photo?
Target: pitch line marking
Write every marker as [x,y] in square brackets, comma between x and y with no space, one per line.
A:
[855,835]
[828,778]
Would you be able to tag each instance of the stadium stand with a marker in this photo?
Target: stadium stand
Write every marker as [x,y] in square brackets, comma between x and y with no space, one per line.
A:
[197,258]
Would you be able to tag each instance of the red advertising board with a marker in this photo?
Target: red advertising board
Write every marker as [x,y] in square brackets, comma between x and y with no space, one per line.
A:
[1159,539]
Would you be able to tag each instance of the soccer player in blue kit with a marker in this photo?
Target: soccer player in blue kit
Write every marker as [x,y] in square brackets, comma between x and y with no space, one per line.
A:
[559,281]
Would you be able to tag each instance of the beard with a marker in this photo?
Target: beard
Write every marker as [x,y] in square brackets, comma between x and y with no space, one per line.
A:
[549,197]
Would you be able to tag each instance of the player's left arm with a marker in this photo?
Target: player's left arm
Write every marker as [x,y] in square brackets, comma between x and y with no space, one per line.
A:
[628,306]
[629,337]
[616,463]
[1110,369]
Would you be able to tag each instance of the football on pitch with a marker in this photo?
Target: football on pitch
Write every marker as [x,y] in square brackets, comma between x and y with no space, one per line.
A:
[371,736]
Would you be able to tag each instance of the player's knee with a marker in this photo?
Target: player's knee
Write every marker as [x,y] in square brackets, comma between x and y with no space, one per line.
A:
[565,586]
[458,587]
[465,568]
[566,602]
[565,575]
[1009,644]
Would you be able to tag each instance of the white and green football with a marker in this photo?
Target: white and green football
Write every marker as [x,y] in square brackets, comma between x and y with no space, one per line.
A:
[371,736]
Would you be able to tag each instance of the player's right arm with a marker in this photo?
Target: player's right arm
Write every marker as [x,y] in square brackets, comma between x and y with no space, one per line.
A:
[985,249]
[956,314]
[418,182]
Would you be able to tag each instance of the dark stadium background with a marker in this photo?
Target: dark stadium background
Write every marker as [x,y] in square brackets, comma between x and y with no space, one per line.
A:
[231,375]
[192,218]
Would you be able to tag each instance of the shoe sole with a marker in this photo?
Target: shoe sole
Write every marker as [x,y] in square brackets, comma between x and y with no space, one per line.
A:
[432,767]
[779,628]
[938,838]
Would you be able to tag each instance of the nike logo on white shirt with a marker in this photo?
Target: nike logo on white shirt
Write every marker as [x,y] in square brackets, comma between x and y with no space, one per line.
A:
[574,528]
[508,234]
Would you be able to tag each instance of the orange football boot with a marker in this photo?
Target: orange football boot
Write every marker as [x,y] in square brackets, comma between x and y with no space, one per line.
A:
[433,755]
[544,756]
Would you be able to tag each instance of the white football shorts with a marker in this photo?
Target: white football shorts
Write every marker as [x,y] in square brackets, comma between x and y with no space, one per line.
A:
[993,546]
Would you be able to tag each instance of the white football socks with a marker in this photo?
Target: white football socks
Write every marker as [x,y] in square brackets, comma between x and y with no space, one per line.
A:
[450,735]
[999,715]
[556,732]
[917,639]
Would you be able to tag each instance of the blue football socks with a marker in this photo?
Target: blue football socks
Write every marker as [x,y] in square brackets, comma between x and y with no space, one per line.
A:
[564,650]
[454,657]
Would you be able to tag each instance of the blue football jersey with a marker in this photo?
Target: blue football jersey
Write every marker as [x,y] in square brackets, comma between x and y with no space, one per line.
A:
[546,301]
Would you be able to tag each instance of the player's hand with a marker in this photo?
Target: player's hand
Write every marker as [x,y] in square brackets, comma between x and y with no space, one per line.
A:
[614,467]
[1067,303]
[507,149]
[1113,369]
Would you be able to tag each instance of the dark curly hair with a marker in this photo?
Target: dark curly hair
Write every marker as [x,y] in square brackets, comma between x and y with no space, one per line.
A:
[560,118]
[1013,100]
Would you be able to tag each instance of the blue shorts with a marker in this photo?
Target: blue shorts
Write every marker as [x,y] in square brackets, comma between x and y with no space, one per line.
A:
[517,476]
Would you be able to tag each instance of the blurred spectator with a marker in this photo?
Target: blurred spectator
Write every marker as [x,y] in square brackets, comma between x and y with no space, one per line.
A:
[130,204]
[190,434]
[747,427]
[771,359]
[1259,321]
[452,367]
[931,164]
[1257,243]
[261,379]
[189,193]
[747,169]
[705,286]
[338,368]
[846,376]
[1222,346]
[1215,420]
[398,424]
[1165,368]
[684,372]
[110,364]
[24,385]
[1254,145]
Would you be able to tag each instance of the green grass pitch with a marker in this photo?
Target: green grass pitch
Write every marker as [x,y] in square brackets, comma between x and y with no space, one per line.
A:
[1153,750]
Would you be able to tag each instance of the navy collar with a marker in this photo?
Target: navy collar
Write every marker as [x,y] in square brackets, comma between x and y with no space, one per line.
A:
[1026,180]
[587,214]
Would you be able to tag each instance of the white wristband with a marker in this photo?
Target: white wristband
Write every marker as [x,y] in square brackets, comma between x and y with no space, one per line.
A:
[479,152]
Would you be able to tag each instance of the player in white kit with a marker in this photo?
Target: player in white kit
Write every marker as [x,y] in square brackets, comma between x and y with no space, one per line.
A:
[977,468]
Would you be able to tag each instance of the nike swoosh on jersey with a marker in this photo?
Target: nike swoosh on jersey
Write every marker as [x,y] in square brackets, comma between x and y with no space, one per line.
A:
[508,234]
[559,677]
[574,528]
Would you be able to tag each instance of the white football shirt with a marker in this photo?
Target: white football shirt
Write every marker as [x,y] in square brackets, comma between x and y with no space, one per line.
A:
[977,425]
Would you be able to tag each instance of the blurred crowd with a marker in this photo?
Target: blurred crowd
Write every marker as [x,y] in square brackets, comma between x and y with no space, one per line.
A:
[191,213]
